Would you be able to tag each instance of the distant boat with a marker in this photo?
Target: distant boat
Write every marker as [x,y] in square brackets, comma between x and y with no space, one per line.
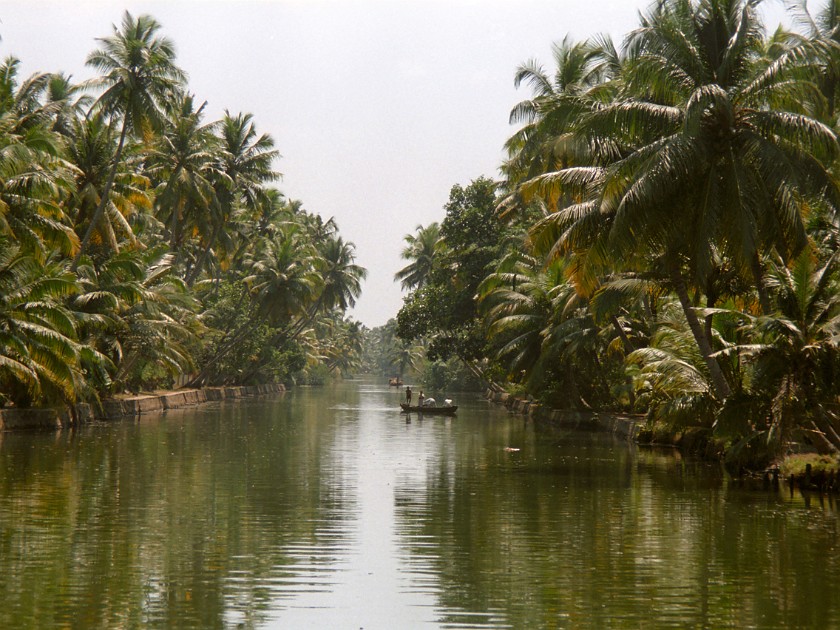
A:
[395,382]
[430,411]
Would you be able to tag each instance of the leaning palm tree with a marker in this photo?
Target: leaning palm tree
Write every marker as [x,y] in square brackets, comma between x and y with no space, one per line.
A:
[344,345]
[23,100]
[341,281]
[247,159]
[284,279]
[91,148]
[241,202]
[283,282]
[690,164]
[159,329]
[740,172]
[139,75]
[342,276]
[669,376]
[420,249]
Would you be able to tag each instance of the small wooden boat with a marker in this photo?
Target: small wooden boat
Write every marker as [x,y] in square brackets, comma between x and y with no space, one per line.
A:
[430,411]
[395,382]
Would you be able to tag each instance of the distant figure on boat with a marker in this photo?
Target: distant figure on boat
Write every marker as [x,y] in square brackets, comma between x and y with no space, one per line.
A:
[420,399]
[408,394]
[395,381]
[429,402]
[447,402]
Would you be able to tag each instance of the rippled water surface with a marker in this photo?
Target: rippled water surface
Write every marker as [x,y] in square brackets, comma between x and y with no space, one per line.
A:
[326,508]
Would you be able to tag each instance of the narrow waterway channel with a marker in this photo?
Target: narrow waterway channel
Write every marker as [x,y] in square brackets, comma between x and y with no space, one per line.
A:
[326,508]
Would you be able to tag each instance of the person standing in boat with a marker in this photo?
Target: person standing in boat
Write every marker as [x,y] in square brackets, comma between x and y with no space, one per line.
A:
[420,399]
[408,395]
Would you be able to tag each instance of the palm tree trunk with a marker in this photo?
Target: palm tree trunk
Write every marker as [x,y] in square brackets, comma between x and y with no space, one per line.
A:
[288,334]
[625,340]
[649,312]
[283,335]
[480,375]
[628,348]
[226,347]
[173,237]
[709,319]
[103,201]
[306,318]
[201,262]
[721,387]
[823,424]
[761,287]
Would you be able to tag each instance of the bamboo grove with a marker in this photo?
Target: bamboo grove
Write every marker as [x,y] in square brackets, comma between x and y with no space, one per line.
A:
[140,242]
[664,237]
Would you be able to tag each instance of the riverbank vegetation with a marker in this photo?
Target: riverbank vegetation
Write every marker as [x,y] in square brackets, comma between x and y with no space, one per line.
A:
[664,239]
[141,242]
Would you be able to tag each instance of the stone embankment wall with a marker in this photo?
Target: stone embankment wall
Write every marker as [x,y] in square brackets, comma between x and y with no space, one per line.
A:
[624,425]
[52,419]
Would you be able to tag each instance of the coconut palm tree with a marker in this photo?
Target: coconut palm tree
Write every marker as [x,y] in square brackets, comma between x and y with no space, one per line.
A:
[669,376]
[91,148]
[749,169]
[515,302]
[39,355]
[184,159]
[136,311]
[822,29]
[66,102]
[420,249]
[795,356]
[139,75]
[344,350]
[341,278]
[689,164]
[158,330]
[283,282]
[283,278]
[542,331]
[339,284]
[580,82]
[247,158]
[33,175]
[22,101]
[240,197]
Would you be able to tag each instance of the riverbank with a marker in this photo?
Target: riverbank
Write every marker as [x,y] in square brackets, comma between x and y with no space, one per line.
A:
[807,471]
[14,419]
[628,426]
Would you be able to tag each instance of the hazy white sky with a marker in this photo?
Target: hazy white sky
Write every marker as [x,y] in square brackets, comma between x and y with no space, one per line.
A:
[378,107]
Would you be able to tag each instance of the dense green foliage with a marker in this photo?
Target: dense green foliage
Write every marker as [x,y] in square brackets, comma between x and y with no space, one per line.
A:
[142,246]
[665,236]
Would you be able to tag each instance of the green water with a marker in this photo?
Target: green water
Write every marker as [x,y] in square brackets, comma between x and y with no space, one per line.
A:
[325,508]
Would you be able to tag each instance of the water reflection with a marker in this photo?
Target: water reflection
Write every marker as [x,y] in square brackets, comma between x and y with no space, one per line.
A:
[327,508]
[190,520]
[586,532]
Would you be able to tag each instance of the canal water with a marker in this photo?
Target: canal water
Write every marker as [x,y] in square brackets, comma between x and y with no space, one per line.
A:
[326,508]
